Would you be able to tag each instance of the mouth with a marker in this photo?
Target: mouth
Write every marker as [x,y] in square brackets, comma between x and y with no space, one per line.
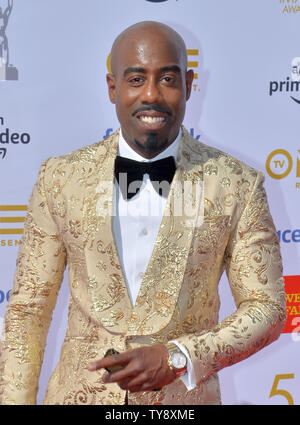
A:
[151,119]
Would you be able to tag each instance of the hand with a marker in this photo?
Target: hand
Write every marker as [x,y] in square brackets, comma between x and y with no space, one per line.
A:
[144,368]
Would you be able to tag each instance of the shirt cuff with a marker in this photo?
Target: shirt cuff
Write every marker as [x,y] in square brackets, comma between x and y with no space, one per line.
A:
[187,378]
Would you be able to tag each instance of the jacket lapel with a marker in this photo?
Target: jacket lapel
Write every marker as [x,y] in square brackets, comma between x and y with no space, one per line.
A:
[111,304]
[163,279]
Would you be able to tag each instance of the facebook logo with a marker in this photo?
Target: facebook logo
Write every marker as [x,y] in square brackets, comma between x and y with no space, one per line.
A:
[108,132]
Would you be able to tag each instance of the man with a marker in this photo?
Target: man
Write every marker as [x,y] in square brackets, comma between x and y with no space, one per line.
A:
[142,284]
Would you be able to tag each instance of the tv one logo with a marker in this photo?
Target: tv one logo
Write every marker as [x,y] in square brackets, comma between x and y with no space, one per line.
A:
[280,164]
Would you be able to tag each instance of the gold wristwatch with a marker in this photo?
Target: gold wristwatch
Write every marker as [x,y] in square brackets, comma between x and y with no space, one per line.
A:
[177,361]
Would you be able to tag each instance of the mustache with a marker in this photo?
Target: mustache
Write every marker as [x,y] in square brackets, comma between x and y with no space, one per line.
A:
[153,107]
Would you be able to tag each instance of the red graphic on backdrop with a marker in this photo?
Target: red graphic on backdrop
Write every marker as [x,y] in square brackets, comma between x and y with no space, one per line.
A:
[292,290]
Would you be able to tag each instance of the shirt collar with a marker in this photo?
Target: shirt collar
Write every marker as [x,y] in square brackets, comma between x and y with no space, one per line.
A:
[127,152]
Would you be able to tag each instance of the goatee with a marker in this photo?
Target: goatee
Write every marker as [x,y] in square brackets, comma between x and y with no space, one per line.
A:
[151,145]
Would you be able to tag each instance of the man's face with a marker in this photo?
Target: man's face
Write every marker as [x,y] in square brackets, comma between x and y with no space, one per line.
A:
[150,88]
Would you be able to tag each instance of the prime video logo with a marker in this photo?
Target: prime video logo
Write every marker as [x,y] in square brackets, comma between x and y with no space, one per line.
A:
[291,84]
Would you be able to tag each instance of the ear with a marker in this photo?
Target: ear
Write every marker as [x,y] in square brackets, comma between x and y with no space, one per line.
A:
[189,77]
[111,83]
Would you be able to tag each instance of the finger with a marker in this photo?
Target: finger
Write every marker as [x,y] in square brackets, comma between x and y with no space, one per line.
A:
[130,389]
[143,384]
[137,388]
[106,362]
[131,370]
[123,384]
[148,386]
[126,384]
[137,381]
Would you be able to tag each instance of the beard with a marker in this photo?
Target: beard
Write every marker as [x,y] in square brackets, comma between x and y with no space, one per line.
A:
[152,144]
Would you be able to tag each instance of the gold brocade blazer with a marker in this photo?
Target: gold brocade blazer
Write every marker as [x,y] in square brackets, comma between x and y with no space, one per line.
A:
[69,221]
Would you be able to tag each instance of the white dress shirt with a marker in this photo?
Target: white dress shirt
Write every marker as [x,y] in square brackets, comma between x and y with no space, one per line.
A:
[136,223]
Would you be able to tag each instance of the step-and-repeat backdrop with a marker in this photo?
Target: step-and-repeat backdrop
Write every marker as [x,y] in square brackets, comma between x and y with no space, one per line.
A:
[54,56]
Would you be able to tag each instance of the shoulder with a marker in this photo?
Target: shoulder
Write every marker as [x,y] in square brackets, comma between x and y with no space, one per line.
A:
[80,159]
[229,183]
[216,162]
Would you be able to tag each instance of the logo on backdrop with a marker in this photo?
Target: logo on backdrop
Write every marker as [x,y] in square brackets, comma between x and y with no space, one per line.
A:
[289,235]
[12,218]
[289,6]
[292,290]
[7,71]
[280,163]
[8,138]
[290,85]
[4,296]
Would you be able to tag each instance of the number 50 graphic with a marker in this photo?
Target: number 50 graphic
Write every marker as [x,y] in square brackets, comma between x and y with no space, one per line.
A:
[276,391]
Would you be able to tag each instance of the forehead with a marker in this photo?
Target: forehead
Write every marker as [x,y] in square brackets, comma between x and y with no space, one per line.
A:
[148,50]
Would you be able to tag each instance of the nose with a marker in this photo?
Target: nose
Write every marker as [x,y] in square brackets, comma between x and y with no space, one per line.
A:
[151,92]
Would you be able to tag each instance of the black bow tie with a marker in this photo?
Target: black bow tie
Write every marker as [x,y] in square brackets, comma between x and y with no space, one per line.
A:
[159,171]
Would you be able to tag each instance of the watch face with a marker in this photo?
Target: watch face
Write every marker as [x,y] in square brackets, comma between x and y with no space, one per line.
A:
[178,360]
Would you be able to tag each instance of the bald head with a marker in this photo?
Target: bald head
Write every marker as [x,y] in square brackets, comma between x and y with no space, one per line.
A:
[148,30]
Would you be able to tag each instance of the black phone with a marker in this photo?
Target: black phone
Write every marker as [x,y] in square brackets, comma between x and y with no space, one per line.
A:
[112,352]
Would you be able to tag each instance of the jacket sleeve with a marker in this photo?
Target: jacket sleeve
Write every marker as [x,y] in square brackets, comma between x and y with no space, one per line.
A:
[39,273]
[254,270]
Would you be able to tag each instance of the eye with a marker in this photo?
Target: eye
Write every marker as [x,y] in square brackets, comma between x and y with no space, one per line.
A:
[136,81]
[168,79]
